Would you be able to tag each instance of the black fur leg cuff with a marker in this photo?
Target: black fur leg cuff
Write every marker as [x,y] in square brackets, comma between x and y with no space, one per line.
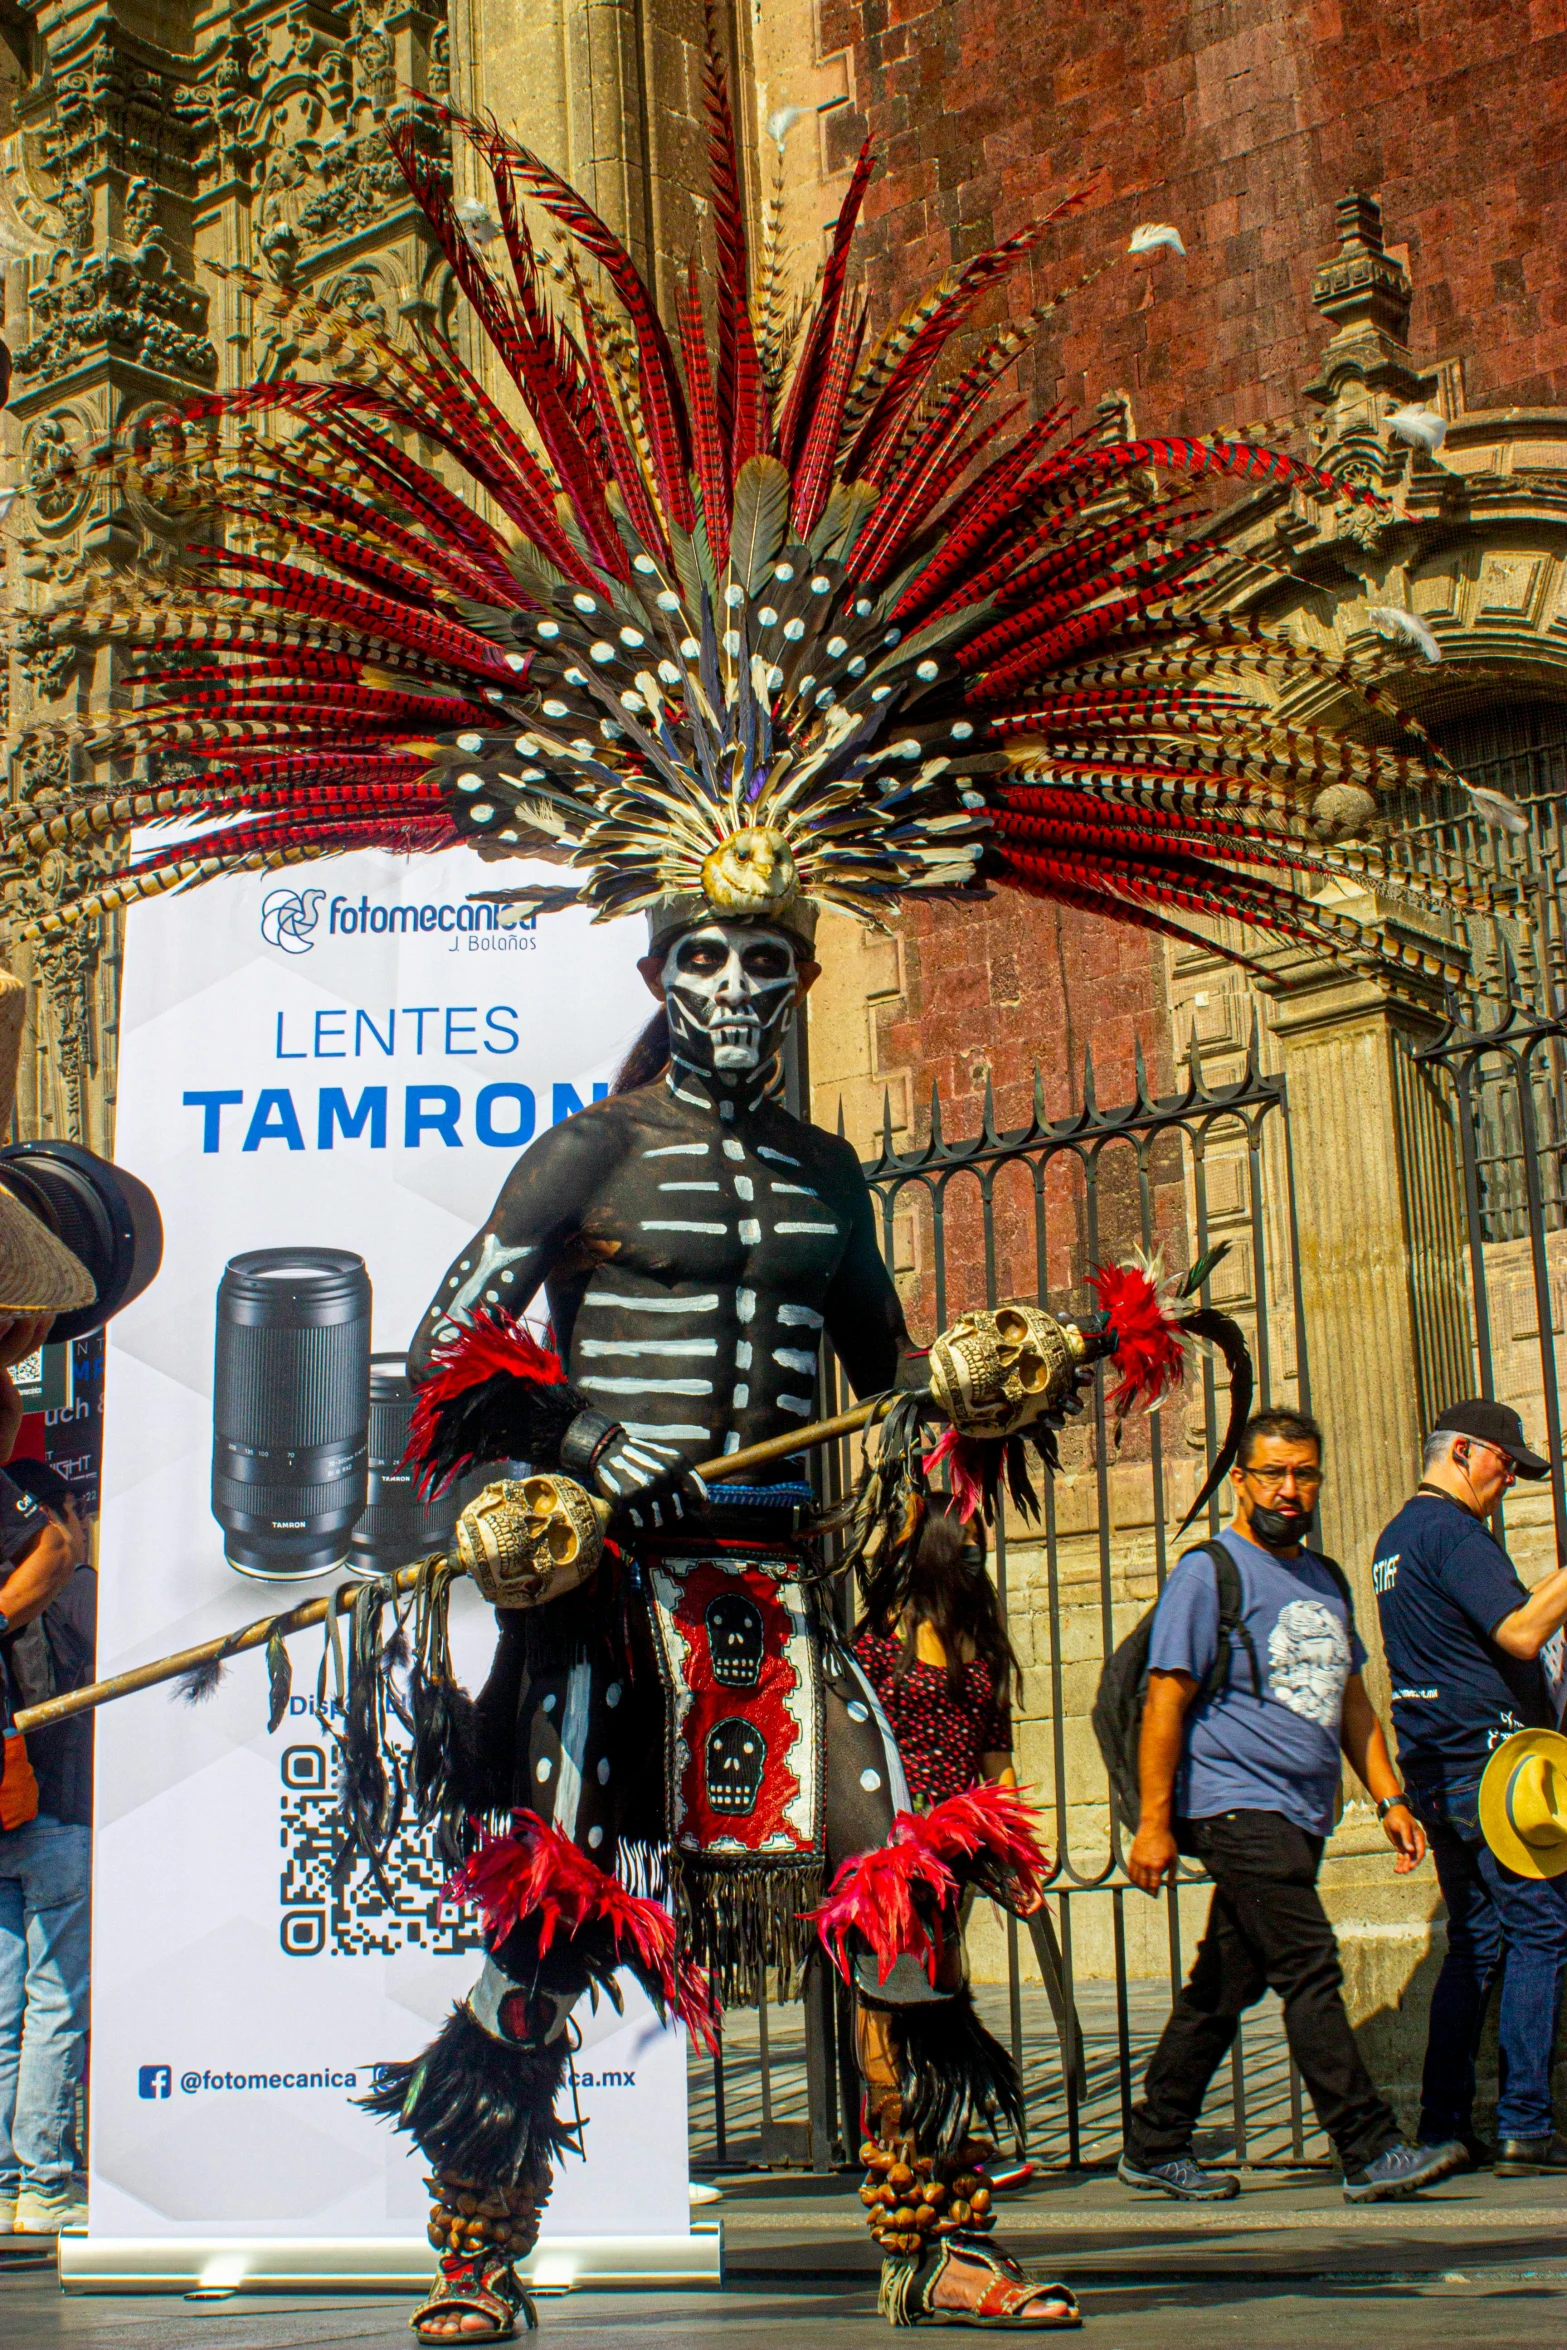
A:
[953,2076]
[481,2108]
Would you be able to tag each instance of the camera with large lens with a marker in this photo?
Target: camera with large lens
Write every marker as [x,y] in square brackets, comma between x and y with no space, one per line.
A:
[291,1409]
[106,1217]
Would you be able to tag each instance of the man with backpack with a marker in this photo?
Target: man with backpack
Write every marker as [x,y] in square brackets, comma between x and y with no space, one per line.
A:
[1253,1691]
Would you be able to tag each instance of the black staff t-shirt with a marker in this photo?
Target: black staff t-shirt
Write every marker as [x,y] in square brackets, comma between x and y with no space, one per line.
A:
[1443,1585]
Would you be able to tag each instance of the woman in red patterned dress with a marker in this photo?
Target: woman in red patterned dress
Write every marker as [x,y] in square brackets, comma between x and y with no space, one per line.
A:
[945,1671]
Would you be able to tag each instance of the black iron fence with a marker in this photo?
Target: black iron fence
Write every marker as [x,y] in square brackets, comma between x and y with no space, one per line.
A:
[1520,950]
[1506,1081]
[1026,1213]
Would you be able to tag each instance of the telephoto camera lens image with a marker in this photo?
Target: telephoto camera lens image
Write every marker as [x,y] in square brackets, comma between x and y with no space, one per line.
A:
[397,1526]
[291,1409]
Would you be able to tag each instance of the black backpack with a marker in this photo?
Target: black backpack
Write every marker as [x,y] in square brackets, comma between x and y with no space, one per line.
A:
[1123,1685]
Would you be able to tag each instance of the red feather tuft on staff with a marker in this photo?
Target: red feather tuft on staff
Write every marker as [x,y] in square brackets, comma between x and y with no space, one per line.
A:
[1149,1351]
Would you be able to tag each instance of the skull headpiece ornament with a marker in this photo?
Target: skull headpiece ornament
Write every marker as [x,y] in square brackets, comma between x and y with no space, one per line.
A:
[528,1539]
[995,1373]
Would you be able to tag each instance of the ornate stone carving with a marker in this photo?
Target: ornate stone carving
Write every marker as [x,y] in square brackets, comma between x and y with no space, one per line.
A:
[55,498]
[45,665]
[117,308]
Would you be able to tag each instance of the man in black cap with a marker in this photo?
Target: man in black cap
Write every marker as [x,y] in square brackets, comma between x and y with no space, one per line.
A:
[1464,1639]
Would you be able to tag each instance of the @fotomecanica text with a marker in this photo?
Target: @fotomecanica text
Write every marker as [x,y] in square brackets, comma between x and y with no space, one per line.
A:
[162,2081]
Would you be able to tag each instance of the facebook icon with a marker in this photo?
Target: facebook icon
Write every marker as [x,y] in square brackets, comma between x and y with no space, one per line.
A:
[154,2080]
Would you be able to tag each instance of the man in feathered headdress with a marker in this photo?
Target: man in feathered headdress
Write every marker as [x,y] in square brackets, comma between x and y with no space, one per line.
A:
[761,615]
[695,1242]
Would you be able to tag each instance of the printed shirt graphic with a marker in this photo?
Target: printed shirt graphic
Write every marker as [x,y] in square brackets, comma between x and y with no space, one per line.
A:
[1280,1751]
[1443,1585]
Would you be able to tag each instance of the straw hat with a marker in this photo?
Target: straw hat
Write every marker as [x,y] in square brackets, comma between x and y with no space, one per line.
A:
[38,1274]
[1523,1803]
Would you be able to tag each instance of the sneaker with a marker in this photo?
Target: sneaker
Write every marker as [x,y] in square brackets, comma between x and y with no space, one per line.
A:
[1179,2177]
[1402,2169]
[46,2214]
[7,2215]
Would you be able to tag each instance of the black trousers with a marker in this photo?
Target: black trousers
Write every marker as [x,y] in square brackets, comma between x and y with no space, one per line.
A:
[1267,1929]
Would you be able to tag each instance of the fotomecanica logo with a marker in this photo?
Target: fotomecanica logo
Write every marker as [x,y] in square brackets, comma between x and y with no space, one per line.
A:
[288,916]
[154,2080]
[291,917]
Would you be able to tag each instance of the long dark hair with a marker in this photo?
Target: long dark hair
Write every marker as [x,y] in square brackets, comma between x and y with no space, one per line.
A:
[948,1587]
[648,1057]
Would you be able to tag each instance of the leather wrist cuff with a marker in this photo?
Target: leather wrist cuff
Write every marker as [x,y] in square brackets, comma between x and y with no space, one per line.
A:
[583,1442]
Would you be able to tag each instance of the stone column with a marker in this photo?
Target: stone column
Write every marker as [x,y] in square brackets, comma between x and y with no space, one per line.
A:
[609,93]
[1380,1222]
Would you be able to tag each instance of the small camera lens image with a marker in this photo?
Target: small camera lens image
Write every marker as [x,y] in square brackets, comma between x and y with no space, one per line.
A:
[397,1526]
[291,1410]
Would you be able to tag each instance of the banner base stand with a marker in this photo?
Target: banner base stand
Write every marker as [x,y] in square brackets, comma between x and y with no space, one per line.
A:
[216,2265]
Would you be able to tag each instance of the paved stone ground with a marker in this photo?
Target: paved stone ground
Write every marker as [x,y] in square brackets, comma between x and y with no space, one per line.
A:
[1286,2263]
[1505,2313]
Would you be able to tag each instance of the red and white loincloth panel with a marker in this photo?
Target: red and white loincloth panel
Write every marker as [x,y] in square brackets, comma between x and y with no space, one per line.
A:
[740,1659]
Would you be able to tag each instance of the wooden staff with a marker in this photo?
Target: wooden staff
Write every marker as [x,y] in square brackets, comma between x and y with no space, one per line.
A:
[316,1611]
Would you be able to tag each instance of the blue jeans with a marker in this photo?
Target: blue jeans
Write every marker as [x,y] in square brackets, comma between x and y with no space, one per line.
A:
[1497,1923]
[45,1943]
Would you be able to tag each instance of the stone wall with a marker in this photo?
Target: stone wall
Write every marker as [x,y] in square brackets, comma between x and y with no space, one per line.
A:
[1241,121]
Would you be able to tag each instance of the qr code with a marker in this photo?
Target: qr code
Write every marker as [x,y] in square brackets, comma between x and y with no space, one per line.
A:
[358,1918]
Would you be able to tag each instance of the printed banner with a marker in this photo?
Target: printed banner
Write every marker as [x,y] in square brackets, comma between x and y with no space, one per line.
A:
[342,1072]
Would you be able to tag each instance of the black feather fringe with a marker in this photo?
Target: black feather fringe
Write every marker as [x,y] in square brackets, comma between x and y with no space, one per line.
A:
[202,1681]
[480,2107]
[953,2076]
[735,1923]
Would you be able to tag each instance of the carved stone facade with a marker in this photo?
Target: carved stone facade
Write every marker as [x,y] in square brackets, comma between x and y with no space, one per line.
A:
[136,146]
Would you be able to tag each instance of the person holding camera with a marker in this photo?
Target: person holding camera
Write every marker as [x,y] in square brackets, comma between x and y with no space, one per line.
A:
[1239,1765]
[47,1618]
[1464,1641]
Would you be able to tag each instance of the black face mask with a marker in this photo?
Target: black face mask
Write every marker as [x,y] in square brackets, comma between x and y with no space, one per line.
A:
[1280,1529]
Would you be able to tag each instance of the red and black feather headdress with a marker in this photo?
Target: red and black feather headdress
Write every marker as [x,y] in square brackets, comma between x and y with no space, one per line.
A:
[756,610]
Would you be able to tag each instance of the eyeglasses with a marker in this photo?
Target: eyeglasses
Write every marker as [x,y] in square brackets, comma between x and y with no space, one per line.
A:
[1271,1480]
[1509,1465]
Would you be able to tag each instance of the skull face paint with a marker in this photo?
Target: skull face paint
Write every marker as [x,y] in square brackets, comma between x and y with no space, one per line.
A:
[729,989]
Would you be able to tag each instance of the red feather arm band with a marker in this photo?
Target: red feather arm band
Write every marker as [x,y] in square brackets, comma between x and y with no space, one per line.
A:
[492,1394]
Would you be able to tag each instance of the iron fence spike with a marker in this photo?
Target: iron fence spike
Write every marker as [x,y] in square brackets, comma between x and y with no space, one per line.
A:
[1090,1098]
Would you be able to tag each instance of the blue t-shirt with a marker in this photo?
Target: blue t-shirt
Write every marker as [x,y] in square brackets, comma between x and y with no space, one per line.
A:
[1280,1751]
[1443,1585]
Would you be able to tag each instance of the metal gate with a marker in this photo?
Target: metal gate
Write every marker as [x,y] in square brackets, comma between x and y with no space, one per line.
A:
[1025,1213]
[1506,1080]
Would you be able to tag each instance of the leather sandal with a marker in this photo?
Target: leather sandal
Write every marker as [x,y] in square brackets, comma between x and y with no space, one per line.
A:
[908,2292]
[487,2284]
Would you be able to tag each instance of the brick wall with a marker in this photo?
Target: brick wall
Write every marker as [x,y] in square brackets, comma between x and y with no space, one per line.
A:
[1241,123]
